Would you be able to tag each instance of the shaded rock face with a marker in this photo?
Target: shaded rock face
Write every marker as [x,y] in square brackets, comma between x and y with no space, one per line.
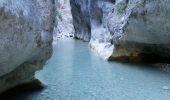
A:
[90,19]
[26,28]
[81,19]
[130,30]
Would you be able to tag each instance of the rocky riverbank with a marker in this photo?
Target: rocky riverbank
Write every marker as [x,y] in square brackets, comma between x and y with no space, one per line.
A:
[135,30]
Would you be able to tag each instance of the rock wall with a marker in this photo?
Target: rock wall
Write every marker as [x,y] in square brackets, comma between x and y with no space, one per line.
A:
[64,24]
[81,19]
[90,18]
[26,28]
[141,30]
[130,30]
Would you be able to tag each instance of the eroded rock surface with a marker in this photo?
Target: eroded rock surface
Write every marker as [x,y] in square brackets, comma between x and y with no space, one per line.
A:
[26,28]
[130,30]
[140,30]
[64,24]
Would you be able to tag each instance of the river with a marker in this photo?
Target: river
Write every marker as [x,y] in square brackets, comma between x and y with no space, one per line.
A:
[76,73]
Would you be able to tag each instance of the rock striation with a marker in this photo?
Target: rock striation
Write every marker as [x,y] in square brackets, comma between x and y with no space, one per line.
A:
[126,30]
[26,28]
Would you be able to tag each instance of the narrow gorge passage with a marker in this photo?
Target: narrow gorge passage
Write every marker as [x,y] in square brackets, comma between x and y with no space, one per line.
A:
[75,73]
[77,49]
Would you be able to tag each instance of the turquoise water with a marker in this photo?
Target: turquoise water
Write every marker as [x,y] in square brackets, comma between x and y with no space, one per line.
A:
[75,73]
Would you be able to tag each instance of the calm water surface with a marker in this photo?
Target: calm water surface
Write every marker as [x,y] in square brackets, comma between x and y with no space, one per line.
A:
[75,73]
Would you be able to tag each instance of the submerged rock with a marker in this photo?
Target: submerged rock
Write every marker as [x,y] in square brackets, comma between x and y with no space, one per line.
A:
[135,30]
[26,28]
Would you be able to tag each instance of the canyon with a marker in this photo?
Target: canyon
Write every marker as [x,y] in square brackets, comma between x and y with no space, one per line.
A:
[134,31]
[126,30]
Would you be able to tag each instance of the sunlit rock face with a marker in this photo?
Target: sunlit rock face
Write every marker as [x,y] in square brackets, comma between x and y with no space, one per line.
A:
[140,30]
[26,28]
[64,24]
[130,30]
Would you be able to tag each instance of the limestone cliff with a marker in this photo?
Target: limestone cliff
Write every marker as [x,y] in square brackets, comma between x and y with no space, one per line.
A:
[131,30]
[64,24]
[140,30]
[26,28]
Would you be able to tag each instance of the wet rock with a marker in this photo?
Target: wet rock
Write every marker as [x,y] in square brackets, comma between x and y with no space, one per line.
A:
[26,28]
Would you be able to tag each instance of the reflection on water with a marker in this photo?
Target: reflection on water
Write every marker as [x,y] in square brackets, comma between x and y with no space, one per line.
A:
[74,73]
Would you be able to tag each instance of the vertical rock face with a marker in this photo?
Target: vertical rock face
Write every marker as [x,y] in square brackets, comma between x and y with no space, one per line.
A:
[90,19]
[141,30]
[26,28]
[135,30]
[81,19]
[64,24]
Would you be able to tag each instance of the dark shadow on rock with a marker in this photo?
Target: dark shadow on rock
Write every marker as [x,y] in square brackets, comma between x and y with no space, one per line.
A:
[26,88]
